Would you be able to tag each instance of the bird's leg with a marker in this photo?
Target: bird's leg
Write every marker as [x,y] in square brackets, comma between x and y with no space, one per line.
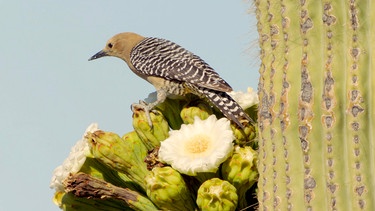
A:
[147,107]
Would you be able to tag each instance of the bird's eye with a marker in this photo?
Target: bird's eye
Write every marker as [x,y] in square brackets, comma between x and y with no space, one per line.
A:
[110,45]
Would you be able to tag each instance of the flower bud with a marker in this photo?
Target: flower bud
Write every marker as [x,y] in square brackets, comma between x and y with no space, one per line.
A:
[241,171]
[201,110]
[168,190]
[150,136]
[244,136]
[216,194]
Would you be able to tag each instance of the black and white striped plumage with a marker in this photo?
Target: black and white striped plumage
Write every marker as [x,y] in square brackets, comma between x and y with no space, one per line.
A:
[164,59]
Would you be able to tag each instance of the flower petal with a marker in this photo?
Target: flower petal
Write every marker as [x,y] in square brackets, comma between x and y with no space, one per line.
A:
[198,147]
[246,100]
[74,162]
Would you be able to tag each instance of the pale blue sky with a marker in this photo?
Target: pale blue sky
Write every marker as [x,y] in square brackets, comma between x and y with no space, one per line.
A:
[50,93]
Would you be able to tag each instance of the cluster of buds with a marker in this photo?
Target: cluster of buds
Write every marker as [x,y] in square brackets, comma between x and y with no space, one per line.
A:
[188,160]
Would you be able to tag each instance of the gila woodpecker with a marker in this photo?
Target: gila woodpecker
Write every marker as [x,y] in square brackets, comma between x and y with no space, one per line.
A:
[172,70]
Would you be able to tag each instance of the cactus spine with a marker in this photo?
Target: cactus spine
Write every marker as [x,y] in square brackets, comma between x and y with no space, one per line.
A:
[317,105]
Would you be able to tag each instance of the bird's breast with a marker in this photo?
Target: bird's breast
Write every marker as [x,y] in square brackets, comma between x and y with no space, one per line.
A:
[172,87]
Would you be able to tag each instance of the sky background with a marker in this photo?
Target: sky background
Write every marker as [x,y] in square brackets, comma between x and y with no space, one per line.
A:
[50,93]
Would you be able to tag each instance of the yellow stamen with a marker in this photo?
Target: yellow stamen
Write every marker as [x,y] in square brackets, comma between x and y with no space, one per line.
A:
[198,144]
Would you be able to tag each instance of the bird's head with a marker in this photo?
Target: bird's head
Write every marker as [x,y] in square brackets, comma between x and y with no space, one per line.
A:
[119,46]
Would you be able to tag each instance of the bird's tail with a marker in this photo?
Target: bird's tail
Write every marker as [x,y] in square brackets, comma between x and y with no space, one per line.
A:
[227,105]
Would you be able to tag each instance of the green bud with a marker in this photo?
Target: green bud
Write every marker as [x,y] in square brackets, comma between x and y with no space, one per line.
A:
[150,136]
[168,190]
[200,109]
[241,171]
[244,136]
[216,194]
[123,156]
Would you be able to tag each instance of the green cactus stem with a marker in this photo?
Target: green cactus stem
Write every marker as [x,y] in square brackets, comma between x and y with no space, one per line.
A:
[317,105]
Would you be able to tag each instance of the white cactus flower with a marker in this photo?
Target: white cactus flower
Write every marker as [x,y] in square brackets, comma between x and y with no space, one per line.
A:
[73,162]
[198,147]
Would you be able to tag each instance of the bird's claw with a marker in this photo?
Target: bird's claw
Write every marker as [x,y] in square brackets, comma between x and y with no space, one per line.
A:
[142,105]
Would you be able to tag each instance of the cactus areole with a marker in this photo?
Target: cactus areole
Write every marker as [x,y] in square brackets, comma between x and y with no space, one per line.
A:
[316,105]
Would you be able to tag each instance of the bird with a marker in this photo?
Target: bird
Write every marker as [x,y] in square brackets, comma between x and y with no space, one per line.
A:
[172,70]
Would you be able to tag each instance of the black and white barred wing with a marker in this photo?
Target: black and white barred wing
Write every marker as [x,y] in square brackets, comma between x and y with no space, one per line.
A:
[163,58]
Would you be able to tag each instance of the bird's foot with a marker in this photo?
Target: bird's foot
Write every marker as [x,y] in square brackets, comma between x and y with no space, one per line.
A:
[147,108]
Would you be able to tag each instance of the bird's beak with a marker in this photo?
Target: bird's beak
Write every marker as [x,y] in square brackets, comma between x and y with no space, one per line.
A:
[98,55]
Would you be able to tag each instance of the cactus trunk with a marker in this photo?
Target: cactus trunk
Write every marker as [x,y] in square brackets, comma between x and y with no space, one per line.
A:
[317,105]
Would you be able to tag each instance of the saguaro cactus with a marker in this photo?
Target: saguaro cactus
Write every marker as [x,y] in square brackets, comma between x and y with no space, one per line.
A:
[317,105]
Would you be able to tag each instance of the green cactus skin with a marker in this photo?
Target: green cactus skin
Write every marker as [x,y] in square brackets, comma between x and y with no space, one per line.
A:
[171,109]
[316,110]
